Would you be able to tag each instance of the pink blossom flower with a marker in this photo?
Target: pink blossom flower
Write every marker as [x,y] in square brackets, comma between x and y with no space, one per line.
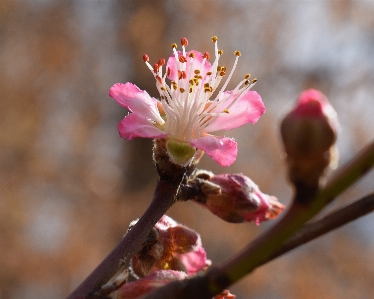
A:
[186,113]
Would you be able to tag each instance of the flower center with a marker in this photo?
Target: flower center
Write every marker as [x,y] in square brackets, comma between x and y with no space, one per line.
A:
[193,80]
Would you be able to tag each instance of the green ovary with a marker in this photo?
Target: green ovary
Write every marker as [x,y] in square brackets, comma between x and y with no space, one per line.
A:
[180,152]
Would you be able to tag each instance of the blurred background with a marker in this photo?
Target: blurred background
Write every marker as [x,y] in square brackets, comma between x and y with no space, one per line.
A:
[69,185]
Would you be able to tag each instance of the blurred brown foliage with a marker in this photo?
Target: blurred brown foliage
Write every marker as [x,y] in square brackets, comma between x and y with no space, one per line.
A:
[69,185]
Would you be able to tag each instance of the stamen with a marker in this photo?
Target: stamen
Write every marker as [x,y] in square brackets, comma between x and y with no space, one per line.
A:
[254,80]
[182,90]
[145,58]
[155,67]
[191,55]
[237,53]
[226,111]
[247,76]
[161,62]
[220,52]
[206,55]
[184,42]
[174,46]
[182,59]
[214,39]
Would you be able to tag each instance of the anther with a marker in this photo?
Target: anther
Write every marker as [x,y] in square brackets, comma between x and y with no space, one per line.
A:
[174,46]
[220,52]
[247,76]
[254,80]
[184,42]
[175,86]
[246,82]
[192,55]
[219,68]
[181,89]
[237,53]
[182,59]
[159,80]
[214,39]
[223,69]
[163,88]
[206,55]
[208,73]
[226,111]
[145,58]
[190,90]
[222,73]
[197,72]
[161,62]
[155,68]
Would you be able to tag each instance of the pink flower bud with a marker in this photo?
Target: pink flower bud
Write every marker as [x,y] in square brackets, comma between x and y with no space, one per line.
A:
[236,198]
[308,133]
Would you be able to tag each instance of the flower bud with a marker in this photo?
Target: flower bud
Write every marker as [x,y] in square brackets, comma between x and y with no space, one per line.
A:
[309,132]
[236,198]
[170,246]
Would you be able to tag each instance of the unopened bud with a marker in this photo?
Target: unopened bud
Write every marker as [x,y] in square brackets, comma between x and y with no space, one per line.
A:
[309,132]
[236,198]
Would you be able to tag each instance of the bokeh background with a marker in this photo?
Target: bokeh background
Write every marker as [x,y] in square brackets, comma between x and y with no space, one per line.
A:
[69,185]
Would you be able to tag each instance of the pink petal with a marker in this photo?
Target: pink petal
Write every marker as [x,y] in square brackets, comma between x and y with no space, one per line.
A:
[135,289]
[135,125]
[137,101]
[196,65]
[221,149]
[247,109]
[194,261]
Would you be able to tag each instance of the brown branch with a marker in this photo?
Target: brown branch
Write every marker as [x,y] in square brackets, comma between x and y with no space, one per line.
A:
[326,224]
[163,199]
